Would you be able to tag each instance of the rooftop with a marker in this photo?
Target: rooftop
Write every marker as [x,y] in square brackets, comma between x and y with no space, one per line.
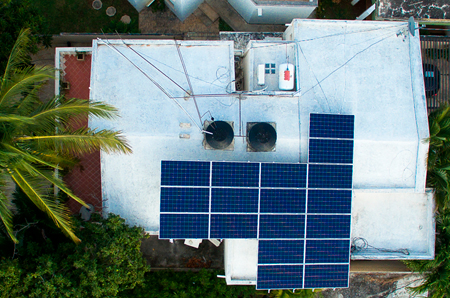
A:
[154,84]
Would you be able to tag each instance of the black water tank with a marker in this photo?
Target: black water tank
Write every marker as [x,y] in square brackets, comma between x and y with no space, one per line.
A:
[262,137]
[222,134]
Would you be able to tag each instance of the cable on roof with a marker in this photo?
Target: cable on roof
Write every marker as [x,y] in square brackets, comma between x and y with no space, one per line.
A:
[346,62]
[188,80]
[137,53]
[359,244]
[109,45]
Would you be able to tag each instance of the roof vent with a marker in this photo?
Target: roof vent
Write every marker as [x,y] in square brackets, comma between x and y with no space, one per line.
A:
[221,137]
[261,136]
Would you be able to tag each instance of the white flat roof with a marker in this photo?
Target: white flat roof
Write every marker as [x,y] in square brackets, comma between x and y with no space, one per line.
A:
[369,69]
[372,70]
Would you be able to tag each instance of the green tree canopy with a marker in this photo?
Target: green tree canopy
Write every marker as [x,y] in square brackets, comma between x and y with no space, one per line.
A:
[15,15]
[106,263]
[37,138]
[437,272]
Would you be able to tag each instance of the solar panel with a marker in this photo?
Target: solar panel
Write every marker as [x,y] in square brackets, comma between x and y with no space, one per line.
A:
[329,201]
[231,226]
[330,176]
[281,226]
[178,199]
[283,175]
[330,151]
[279,277]
[328,226]
[327,251]
[331,126]
[326,276]
[282,200]
[184,173]
[280,251]
[275,203]
[235,174]
[234,200]
[183,226]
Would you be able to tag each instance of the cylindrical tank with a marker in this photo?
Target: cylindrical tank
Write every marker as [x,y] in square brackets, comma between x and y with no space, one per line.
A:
[286,76]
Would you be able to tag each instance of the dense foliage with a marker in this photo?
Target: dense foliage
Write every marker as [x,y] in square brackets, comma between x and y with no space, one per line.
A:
[78,16]
[168,284]
[107,262]
[37,138]
[437,272]
[15,15]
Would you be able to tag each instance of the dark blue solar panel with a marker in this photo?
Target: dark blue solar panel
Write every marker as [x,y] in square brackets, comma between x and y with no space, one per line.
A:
[330,176]
[327,251]
[326,276]
[185,173]
[280,252]
[177,199]
[328,226]
[233,226]
[280,277]
[281,226]
[183,226]
[282,201]
[234,200]
[329,201]
[331,126]
[235,174]
[283,175]
[330,151]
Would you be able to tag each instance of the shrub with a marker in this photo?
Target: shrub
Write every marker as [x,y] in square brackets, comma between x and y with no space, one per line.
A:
[107,262]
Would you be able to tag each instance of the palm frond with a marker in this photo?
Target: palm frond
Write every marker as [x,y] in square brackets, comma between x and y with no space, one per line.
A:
[13,118]
[17,56]
[22,82]
[71,112]
[57,212]
[30,157]
[59,183]
[83,140]
[61,107]
[6,216]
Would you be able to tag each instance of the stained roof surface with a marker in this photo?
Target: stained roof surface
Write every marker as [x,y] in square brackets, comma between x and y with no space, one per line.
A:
[403,9]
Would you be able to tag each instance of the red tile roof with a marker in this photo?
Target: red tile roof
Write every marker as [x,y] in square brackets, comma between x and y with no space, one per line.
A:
[85,178]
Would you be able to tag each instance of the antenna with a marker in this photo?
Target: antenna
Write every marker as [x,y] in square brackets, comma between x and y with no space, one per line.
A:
[188,79]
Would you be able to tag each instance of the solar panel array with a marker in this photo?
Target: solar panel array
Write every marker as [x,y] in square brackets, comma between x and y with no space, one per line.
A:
[300,213]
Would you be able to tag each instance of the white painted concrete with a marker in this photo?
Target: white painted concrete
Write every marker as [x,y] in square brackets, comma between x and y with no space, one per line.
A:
[393,221]
[240,261]
[369,69]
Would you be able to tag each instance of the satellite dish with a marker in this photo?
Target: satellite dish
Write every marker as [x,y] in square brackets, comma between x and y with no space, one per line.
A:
[222,134]
[262,137]
[412,26]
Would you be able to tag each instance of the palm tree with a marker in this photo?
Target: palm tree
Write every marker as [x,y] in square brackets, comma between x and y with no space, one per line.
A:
[438,171]
[436,272]
[38,138]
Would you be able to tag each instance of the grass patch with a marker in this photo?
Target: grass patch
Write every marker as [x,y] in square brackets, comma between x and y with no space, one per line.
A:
[223,26]
[80,16]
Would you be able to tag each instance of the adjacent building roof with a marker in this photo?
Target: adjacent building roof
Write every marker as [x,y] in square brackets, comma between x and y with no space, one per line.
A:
[425,10]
